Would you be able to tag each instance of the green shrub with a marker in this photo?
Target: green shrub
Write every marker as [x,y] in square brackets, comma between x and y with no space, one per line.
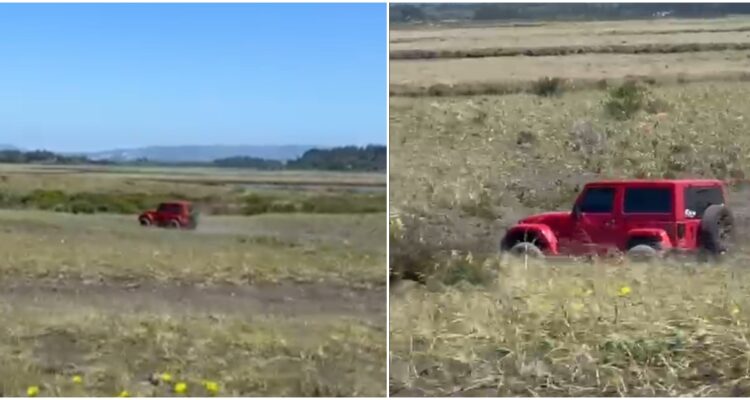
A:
[82,207]
[625,100]
[547,87]
[256,204]
[463,270]
[345,203]
[45,199]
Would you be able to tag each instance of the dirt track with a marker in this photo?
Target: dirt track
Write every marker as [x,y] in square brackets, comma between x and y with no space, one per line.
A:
[284,300]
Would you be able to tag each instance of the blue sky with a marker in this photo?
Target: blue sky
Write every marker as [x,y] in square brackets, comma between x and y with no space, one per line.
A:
[100,76]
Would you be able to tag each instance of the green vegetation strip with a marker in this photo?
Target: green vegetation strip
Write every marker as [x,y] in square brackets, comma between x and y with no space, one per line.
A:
[340,202]
[650,48]
[553,85]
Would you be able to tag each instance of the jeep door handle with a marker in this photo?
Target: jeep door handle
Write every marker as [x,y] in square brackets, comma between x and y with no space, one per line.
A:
[609,223]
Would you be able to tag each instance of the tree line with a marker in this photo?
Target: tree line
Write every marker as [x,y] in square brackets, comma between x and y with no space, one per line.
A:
[559,11]
[347,158]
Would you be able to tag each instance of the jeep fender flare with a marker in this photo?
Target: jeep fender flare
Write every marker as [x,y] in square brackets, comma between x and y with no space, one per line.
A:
[543,235]
[654,235]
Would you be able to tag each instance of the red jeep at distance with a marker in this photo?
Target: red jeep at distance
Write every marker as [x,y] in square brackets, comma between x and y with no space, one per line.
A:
[643,218]
[175,215]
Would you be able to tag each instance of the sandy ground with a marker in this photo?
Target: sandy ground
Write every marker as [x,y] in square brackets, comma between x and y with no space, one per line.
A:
[287,300]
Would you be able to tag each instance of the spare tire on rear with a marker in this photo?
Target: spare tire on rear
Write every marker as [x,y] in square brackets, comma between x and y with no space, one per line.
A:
[716,229]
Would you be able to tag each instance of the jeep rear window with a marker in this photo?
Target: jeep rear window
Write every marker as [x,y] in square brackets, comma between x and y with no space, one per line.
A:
[698,199]
[598,200]
[648,200]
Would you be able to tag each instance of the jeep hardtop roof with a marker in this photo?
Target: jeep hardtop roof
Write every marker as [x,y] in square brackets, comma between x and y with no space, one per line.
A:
[635,182]
[177,202]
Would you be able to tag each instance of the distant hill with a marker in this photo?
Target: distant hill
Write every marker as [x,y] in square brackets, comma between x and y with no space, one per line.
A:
[7,147]
[180,154]
[372,158]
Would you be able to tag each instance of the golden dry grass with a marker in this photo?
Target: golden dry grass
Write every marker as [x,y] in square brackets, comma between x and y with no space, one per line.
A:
[200,181]
[464,168]
[456,153]
[576,330]
[481,59]
[667,31]
[585,67]
[347,250]
[270,305]
[248,357]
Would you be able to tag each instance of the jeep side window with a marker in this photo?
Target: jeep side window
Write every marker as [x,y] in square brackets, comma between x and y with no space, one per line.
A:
[697,199]
[598,200]
[648,200]
[169,208]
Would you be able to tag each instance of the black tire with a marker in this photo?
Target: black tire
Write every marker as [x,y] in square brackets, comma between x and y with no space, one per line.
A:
[522,249]
[174,224]
[716,230]
[145,222]
[642,253]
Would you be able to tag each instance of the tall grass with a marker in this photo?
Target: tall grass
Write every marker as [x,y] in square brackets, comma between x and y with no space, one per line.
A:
[576,330]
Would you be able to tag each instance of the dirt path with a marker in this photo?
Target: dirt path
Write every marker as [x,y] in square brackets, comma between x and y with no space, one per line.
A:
[284,300]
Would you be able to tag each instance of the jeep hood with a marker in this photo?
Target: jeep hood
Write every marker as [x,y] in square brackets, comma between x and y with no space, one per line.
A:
[548,218]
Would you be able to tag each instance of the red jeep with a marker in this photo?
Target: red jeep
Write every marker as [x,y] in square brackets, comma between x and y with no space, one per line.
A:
[643,218]
[175,214]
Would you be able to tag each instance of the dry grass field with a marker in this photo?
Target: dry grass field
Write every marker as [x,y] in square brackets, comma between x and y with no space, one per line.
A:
[492,59]
[466,165]
[549,34]
[274,304]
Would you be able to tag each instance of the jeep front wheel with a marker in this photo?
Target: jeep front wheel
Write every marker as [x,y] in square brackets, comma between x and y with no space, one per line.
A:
[523,249]
[145,222]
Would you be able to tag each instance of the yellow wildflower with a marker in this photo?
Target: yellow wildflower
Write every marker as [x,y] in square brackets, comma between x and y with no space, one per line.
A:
[211,387]
[180,387]
[735,310]
[32,391]
[124,393]
[624,291]
[77,379]
[166,377]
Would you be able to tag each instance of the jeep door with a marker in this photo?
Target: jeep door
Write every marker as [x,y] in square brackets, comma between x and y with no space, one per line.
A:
[595,221]
[650,206]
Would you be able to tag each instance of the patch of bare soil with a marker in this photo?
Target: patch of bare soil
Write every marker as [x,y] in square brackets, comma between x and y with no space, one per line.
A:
[285,300]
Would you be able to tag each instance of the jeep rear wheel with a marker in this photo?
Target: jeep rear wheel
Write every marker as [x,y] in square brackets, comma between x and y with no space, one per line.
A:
[173,224]
[523,249]
[642,253]
[716,230]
